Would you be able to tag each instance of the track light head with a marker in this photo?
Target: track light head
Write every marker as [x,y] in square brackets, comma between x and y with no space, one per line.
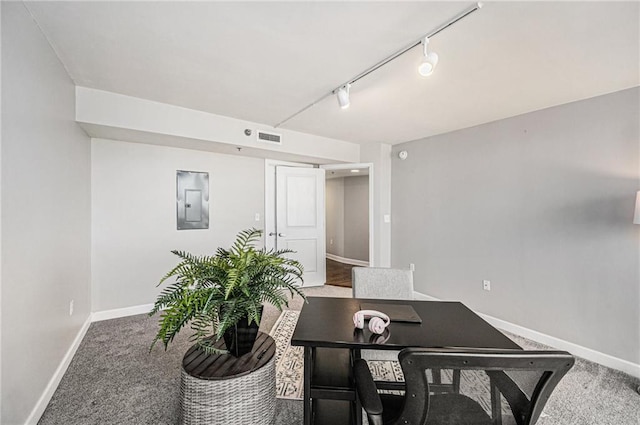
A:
[428,64]
[429,60]
[343,96]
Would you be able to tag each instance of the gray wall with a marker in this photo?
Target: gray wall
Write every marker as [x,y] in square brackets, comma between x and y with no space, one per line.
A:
[45,214]
[356,218]
[540,204]
[347,217]
[334,215]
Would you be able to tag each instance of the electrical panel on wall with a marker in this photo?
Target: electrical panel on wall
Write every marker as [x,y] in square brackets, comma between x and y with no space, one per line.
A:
[192,200]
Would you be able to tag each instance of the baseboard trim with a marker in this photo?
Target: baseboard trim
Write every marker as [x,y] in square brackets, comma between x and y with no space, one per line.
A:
[51,387]
[575,349]
[344,260]
[607,360]
[116,313]
[423,297]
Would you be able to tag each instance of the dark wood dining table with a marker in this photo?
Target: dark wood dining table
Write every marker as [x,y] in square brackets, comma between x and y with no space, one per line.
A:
[325,329]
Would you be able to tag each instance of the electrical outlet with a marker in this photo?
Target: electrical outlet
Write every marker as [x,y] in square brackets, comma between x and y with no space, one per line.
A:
[330,241]
[412,267]
[71,308]
[486,285]
[257,216]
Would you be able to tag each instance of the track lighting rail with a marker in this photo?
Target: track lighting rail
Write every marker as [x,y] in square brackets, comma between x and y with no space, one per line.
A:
[386,60]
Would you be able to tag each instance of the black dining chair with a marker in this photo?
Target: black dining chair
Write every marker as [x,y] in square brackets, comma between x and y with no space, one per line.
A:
[508,385]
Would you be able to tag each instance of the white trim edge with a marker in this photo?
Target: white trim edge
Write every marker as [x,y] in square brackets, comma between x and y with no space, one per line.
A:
[423,297]
[51,387]
[116,313]
[607,360]
[575,349]
[344,260]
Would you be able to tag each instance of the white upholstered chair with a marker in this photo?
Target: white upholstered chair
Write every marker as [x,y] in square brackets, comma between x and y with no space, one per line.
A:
[382,283]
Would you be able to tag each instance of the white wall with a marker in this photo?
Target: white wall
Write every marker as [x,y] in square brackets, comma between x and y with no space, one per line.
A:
[334,206]
[379,154]
[541,205]
[45,215]
[134,214]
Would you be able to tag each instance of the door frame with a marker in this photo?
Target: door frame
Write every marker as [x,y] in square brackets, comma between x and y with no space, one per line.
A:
[369,166]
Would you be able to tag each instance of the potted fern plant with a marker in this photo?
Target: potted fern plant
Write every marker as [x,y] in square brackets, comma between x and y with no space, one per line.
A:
[221,296]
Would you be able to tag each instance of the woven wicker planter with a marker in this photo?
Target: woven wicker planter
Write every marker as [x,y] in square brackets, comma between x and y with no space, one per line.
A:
[248,398]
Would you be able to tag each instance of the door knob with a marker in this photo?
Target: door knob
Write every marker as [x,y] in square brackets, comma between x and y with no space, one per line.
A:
[272,234]
[282,235]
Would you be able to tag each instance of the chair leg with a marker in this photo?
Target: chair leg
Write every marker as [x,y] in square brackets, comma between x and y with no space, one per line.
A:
[355,355]
[456,381]
[496,408]
[437,376]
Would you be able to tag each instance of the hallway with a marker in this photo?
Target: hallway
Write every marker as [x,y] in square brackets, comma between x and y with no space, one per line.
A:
[338,274]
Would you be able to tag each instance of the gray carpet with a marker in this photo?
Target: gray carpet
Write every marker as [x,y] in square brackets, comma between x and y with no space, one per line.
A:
[113,379]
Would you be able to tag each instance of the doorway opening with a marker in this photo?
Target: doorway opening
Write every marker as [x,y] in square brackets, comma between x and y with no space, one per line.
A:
[315,265]
[349,220]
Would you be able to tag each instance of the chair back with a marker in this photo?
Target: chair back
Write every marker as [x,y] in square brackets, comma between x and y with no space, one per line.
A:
[493,384]
[382,283]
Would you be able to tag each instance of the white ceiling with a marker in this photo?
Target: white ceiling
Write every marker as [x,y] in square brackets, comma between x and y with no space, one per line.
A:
[264,61]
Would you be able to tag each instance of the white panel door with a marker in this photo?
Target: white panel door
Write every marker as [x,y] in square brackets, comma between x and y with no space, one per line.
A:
[300,219]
